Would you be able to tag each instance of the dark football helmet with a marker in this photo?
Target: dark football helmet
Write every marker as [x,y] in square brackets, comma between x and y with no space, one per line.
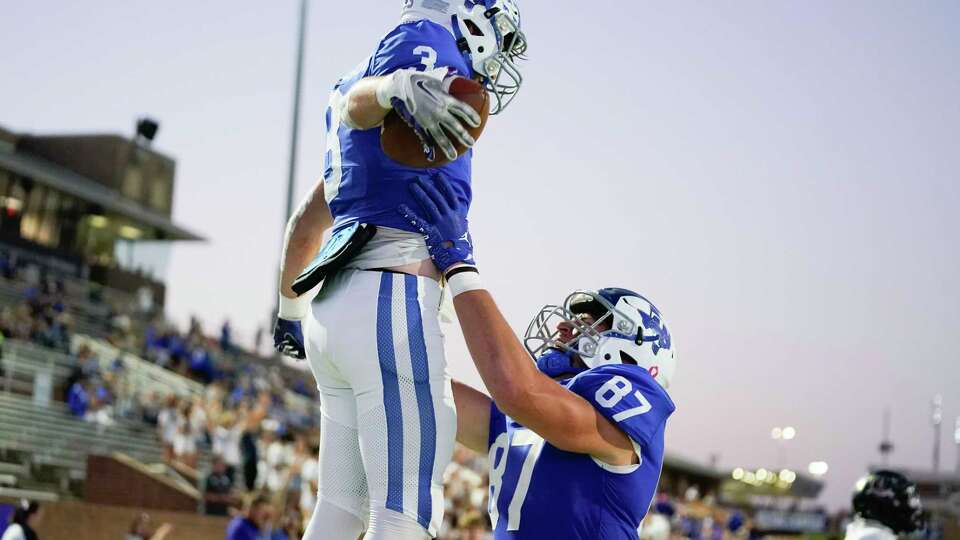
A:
[888,498]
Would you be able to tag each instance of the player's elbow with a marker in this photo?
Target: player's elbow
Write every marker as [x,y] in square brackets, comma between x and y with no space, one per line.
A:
[361,110]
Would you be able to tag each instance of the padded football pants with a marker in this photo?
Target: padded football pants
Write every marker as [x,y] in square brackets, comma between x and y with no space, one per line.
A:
[388,421]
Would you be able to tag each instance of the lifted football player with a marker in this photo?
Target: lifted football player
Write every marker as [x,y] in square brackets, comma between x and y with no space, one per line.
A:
[372,338]
[578,459]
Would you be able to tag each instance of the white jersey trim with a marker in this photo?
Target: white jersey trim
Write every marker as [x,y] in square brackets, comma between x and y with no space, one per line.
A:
[621,469]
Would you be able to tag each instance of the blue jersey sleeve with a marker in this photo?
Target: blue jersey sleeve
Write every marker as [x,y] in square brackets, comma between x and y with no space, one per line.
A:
[629,397]
[422,45]
[498,423]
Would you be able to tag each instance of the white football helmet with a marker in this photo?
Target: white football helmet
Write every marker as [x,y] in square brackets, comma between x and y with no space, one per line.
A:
[489,36]
[624,328]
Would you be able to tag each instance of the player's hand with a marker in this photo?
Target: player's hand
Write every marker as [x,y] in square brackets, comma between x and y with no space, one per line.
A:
[422,100]
[288,339]
[441,223]
[555,362]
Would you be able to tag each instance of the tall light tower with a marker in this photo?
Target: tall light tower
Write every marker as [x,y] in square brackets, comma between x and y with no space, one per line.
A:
[295,125]
[937,418]
[956,440]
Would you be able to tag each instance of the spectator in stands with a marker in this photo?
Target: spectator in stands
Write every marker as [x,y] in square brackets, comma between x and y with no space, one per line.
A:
[198,421]
[78,398]
[309,479]
[225,439]
[150,407]
[185,440]
[234,436]
[226,338]
[27,515]
[276,457]
[218,489]
[6,265]
[85,365]
[290,526]
[472,525]
[167,426]
[100,411]
[249,454]
[121,385]
[200,364]
[141,529]
[253,523]
[656,525]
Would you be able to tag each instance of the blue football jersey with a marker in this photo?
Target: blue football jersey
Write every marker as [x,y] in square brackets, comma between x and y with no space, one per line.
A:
[361,183]
[539,491]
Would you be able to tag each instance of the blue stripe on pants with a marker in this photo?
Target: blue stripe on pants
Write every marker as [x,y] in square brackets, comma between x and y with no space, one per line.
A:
[391,394]
[428,423]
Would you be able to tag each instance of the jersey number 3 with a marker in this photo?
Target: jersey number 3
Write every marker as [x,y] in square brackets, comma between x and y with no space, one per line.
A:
[428,56]
[614,390]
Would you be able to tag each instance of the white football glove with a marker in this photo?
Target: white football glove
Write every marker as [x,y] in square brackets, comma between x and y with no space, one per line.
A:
[422,99]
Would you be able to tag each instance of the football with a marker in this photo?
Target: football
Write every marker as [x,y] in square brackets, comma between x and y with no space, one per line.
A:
[402,145]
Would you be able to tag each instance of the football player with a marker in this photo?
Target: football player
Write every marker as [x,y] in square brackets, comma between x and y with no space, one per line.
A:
[885,505]
[574,459]
[371,337]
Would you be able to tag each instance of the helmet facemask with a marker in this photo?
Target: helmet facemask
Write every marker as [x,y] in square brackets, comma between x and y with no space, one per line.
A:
[543,332]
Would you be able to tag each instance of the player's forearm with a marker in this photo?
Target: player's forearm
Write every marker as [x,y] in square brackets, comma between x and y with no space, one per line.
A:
[304,237]
[519,389]
[362,109]
[503,363]
[473,417]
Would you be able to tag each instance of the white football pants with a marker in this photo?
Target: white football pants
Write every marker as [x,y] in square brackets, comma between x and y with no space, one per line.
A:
[388,422]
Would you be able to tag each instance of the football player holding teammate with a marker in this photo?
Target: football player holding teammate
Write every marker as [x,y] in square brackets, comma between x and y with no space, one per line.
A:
[371,336]
[575,439]
[574,429]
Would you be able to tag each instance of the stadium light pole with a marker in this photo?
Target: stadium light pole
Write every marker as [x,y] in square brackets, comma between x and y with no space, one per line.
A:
[294,139]
[936,420]
[295,128]
[956,440]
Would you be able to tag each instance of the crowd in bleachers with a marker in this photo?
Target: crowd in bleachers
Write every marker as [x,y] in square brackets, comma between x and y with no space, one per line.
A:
[692,517]
[40,316]
[253,442]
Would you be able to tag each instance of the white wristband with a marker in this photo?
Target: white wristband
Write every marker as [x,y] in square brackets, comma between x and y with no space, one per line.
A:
[462,282]
[294,309]
[386,91]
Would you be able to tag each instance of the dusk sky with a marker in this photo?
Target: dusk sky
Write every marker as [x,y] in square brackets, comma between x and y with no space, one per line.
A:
[782,179]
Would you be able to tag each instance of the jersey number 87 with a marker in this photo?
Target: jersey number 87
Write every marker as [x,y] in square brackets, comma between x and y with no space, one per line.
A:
[614,390]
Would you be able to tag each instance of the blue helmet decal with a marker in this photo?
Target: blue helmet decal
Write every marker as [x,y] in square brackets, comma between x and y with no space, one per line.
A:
[652,322]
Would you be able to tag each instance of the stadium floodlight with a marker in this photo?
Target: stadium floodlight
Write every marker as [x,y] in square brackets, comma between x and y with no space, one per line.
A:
[147,128]
[818,468]
[98,221]
[776,433]
[737,473]
[788,476]
[130,232]
[761,475]
[789,433]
